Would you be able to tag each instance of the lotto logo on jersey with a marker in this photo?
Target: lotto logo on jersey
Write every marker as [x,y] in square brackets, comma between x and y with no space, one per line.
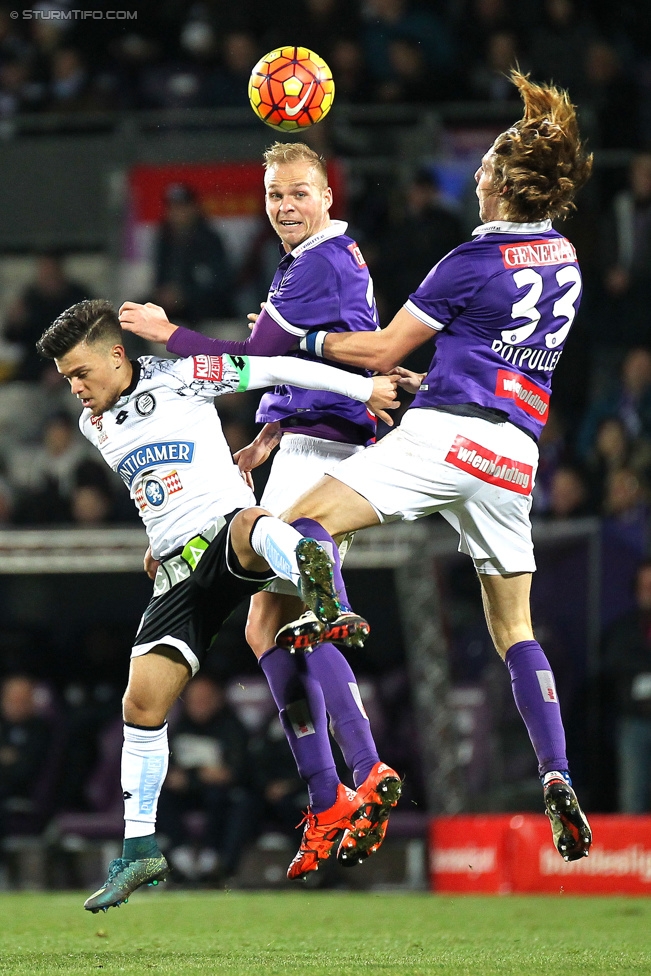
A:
[490,467]
[529,397]
[209,368]
[357,254]
[535,254]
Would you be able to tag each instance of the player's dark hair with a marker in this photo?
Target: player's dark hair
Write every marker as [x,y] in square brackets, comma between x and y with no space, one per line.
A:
[93,320]
[540,162]
[294,152]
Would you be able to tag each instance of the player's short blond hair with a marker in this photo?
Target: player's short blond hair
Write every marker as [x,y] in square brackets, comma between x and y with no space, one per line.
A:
[295,152]
[540,162]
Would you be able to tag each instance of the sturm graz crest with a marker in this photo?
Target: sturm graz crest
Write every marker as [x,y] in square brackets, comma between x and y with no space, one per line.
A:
[145,404]
[155,492]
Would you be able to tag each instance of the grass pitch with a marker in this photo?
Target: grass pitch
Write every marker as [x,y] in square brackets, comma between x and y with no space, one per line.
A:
[314,934]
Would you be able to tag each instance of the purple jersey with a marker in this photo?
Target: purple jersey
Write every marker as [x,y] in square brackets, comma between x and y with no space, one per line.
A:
[323,284]
[503,304]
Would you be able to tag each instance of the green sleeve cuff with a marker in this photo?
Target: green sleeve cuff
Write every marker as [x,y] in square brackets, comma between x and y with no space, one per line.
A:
[241,365]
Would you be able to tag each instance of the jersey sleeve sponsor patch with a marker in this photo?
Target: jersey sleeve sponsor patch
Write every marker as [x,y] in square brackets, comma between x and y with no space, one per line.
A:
[492,468]
[209,368]
[528,254]
[357,254]
[527,395]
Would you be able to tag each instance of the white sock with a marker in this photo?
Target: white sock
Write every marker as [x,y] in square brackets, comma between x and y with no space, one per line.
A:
[276,542]
[145,757]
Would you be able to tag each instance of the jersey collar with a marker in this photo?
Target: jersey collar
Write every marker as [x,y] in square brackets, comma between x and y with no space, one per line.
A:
[135,379]
[512,227]
[334,229]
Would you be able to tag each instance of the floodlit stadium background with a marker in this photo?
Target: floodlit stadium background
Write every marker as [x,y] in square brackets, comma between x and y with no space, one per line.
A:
[98,118]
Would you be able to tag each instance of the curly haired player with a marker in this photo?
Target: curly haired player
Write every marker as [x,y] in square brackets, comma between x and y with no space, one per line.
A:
[500,308]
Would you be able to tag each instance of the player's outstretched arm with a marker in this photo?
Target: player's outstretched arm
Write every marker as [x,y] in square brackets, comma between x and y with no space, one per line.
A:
[379,351]
[150,322]
[147,321]
[379,392]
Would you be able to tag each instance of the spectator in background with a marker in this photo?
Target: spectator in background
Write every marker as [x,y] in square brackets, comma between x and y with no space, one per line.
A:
[353,84]
[614,450]
[409,77]
[626,510]
[553,453]
[18,91]
[51,293]
[208,772]
[630,401]
[322,23]
[193,276]
[424,230]
[488,78]
[282,791]
[70,88]
[229,86]
[46,475]
[24,743]
[627,666]
[558,42]
[613,96]
[627,260]
[390,20]
[479,20]
[91,505]
[568,494]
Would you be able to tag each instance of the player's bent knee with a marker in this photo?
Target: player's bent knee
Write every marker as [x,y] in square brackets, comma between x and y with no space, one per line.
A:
[256,636]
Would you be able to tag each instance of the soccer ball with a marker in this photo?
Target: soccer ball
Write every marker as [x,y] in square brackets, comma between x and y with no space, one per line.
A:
[291,88]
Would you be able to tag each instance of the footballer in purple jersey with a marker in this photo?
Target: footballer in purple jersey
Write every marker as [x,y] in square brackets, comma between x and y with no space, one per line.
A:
[499,308]
[322,285]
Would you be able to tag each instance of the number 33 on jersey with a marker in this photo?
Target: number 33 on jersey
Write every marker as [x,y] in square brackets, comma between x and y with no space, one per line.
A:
[505,359]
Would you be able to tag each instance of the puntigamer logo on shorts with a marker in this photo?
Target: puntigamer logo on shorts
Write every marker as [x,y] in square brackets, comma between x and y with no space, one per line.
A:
[490,467]
[180,452]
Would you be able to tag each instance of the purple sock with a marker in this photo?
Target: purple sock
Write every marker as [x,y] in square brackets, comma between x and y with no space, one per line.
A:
[535,695]
[314,530]
[350,725]
[303,715]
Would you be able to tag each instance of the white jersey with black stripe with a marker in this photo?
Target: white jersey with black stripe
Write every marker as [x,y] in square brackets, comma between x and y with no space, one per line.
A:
[164,437]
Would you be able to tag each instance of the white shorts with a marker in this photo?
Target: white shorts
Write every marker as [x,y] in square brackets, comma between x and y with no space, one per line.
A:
[477,474]
[299,463]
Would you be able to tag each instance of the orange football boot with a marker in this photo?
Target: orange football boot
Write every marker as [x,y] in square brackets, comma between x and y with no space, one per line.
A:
[322,831]
[377,795]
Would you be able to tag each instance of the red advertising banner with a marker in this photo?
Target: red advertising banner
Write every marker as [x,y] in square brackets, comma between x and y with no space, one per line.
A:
[619,862]
[225,189]
[515,853]
[468,854]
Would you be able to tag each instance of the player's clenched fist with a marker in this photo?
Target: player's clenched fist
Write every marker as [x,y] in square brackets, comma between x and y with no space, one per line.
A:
[147,321]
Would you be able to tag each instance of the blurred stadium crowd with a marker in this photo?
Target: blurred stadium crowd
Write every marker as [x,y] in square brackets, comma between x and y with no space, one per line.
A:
[179,55]
[59,726]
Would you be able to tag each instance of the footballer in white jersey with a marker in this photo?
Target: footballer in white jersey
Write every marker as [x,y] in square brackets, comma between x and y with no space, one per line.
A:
[155,424]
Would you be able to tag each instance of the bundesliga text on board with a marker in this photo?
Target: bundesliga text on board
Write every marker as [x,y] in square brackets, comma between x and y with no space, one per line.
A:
[65,15]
